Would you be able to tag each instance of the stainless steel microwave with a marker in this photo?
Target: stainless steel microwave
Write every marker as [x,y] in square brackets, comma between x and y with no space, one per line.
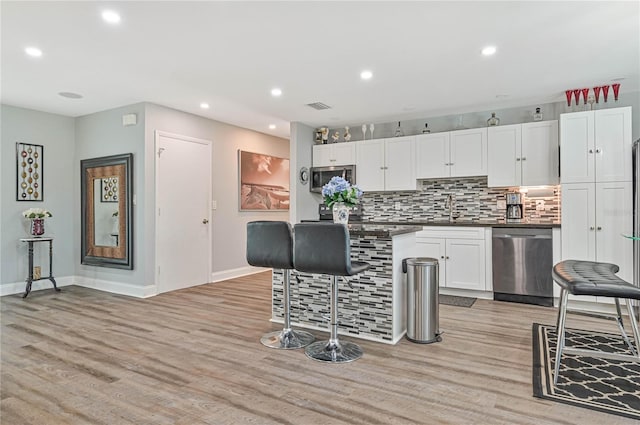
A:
[321,175]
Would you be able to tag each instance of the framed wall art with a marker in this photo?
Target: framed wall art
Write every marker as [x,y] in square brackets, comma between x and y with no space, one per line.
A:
[109,189]
[29,172]
[264,182]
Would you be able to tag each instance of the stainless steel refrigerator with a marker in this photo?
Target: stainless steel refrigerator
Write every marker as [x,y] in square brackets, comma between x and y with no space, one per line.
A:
[636,215]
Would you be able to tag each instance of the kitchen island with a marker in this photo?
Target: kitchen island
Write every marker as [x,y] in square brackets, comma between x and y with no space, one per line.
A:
[374,307]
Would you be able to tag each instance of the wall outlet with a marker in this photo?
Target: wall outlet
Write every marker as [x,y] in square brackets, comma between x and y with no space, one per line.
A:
[37,272]
[501,204]
[540,205]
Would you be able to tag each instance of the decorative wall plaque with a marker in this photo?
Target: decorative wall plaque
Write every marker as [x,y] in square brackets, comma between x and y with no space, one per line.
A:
[29,180]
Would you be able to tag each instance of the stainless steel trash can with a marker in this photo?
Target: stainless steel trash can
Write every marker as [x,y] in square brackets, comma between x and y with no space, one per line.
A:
[422,299]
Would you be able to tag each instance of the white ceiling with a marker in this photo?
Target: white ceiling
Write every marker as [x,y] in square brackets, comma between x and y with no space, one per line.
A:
[425,57]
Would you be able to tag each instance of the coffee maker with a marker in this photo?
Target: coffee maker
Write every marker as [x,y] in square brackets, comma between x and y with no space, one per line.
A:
[515,206]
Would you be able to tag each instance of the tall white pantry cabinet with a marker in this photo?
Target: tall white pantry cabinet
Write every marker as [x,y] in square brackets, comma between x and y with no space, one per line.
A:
[596,179]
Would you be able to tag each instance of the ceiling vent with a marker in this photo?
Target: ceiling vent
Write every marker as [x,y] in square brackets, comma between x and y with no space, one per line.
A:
[319,106]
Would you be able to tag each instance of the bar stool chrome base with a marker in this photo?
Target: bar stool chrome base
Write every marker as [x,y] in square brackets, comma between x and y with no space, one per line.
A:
[334,351]
[287,339]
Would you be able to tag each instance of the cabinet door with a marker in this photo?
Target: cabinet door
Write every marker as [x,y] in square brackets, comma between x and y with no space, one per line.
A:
[432,155]
[613,144]
[577,147]
[399,163]
[466,262]
[344,153]
[468,152]
[434,248]
[322,155]
[614,218]
[578,221]
[540,153]
[504,167]
[370,165]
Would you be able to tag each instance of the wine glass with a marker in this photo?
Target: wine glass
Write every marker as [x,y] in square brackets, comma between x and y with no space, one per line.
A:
[585,93]
[371,128]
[605,92]
[616,89]
[364,131]
[568,94]
[576,95]
[596,91]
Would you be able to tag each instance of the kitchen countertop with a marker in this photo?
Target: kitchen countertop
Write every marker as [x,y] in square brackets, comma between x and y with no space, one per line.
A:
[463,223]
[382,230]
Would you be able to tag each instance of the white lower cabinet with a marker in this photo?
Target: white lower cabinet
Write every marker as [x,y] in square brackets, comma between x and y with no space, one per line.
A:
[461,254]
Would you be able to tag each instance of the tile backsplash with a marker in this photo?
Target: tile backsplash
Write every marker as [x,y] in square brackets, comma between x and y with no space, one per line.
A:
[473,200]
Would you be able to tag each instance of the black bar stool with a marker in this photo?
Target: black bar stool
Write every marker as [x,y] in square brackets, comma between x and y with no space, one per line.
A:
[270,244]
[324,248]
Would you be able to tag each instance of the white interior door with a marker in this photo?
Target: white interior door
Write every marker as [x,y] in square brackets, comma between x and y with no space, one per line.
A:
[183,203]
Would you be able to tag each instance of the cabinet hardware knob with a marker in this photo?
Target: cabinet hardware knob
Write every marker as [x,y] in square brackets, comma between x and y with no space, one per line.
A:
[451,163]
[517,159]
[592,228]
[205,221]
[442,256]
[447,257]
[590,150]
[599,228]
[598,150]
[524,158]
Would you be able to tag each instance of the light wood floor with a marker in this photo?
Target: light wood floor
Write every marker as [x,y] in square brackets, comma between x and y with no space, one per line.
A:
[194,357]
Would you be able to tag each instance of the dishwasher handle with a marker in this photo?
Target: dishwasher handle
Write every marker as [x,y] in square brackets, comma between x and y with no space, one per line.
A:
[507,236]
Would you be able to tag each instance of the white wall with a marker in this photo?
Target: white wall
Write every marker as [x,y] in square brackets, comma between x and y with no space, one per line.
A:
[56,134]
[304,204]
[229,224]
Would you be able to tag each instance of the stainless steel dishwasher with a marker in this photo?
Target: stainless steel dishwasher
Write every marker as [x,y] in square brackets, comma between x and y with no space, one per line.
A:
[522,262]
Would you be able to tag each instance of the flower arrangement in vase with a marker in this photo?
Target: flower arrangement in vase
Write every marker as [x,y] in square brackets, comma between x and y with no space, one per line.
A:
[339,194]
[37,216]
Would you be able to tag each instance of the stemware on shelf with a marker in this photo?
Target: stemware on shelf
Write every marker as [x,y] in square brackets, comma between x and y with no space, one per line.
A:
[399,132]
[576,95]
[364,131]
[605,92]
[585,94]
[568,93]
[371,128]
[596,91]
[616,89]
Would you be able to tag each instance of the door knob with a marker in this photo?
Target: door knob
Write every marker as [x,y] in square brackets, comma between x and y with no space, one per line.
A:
[205,221]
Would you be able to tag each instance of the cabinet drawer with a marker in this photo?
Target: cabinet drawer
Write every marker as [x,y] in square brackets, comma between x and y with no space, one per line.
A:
[451,232]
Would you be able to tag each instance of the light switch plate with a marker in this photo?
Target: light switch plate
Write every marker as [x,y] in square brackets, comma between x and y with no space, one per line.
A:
[501,204]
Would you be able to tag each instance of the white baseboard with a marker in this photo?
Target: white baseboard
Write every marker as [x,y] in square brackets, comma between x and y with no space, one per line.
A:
[116,287]
[19,287]
[239,272]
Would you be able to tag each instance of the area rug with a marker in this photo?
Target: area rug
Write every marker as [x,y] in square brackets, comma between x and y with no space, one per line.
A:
[610,386]
[456,300]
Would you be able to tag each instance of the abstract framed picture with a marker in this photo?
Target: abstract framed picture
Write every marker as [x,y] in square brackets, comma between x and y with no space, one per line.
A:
[29,172]
[109,189]
[264,182]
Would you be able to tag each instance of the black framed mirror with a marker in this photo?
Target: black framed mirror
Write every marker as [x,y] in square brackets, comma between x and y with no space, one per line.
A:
[107,211]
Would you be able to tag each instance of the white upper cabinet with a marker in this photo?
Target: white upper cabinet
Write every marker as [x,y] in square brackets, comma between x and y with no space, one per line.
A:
[595,146]
[432,155]
[459,153]
[523,154]
[468,152]
[386,164]
[334,154]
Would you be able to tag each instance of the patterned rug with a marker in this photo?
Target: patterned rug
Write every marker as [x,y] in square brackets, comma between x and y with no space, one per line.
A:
[610,386]
[456,300]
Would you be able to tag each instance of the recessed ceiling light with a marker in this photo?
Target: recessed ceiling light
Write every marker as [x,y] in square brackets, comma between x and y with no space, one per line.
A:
[204,105]
[70,95]
[276,92]
[33,52]
[272,126]
[111,17]
[489,50]
[366,75]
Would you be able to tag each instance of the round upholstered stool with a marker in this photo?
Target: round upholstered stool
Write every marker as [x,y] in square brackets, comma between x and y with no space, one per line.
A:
[324,248]
[270,244]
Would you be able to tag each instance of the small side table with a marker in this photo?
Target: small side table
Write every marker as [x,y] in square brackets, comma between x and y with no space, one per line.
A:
[30,279]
